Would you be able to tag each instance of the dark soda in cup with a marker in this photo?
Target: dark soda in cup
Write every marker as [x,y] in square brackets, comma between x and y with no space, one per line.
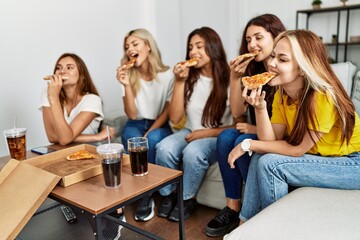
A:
[111,160]
[139,160]
[138,150]
[111,171]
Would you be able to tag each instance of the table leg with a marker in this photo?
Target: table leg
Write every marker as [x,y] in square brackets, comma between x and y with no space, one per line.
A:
[181,208]
[95,222]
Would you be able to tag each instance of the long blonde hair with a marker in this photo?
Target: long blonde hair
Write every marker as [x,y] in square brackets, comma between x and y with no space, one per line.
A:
[312,57]
[155,63]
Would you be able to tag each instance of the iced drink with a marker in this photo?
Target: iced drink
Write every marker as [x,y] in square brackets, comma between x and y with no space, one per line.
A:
[16,142]
[111,160]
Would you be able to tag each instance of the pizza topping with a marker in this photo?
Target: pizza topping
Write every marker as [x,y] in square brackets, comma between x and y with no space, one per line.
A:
[80,155]
[257,80]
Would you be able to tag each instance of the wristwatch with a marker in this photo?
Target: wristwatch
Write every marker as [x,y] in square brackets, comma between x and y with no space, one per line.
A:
[245,145]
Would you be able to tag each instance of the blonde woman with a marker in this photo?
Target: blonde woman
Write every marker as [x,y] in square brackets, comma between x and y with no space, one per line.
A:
[313,134]
[147,89]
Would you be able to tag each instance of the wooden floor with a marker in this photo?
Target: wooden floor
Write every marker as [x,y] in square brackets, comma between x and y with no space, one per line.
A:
[194,225]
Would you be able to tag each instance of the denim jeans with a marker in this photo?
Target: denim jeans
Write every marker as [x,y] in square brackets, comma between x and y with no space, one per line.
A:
[137,128]
[233,178]
[270,174]
[195,156]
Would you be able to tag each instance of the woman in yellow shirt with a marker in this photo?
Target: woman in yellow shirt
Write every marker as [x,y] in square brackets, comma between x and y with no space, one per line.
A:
[313,137]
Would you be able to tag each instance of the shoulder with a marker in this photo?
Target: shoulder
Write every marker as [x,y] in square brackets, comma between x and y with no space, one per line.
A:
[92,98]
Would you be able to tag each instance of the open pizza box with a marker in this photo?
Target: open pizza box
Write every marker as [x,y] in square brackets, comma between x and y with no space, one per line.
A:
[70,171]
[23,188]
[24,185]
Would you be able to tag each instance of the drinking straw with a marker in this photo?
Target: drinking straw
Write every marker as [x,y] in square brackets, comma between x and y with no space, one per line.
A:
[108,134]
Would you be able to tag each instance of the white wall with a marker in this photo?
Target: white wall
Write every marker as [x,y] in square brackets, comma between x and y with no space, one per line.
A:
[34,33]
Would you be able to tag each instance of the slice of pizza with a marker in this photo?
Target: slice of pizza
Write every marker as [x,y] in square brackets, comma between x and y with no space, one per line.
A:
[248,55]
[131,62]
[191,62]
[257,80]
[49,77]
[80,155]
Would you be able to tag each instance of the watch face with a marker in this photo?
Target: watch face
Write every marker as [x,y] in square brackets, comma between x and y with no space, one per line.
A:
[245,145]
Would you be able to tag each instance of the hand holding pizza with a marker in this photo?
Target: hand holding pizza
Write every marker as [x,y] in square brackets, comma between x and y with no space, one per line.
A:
[54,87]
[121,75]
[240,63]
[181,72]
[256,98]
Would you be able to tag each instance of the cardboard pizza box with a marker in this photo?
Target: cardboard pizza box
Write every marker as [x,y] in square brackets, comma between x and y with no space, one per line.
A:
[23,188]
[70,171]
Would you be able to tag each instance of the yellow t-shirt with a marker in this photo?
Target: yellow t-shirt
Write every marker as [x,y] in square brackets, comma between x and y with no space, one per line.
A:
[328,124]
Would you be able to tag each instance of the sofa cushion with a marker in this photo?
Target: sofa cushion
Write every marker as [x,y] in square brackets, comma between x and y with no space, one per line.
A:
[117,121]
[306,213]
[211,192]
[345,71]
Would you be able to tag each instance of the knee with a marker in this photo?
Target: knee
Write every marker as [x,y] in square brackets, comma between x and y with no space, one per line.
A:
[265,163]
[193,156]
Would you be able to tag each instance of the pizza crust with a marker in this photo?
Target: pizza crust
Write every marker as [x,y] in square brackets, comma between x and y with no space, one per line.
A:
[49,77]
[257,80]
[80,155]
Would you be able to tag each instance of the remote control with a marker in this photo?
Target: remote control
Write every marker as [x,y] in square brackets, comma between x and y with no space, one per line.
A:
[68,213]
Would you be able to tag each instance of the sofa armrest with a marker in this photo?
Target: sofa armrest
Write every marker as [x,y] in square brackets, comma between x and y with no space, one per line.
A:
[306,213]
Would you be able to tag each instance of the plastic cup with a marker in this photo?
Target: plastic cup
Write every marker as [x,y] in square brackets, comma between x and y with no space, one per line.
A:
[16,141]
[111,160]
[138,151]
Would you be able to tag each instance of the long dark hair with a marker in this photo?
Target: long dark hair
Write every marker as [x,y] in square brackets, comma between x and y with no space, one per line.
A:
[85,83]
[216,103]
[273,25]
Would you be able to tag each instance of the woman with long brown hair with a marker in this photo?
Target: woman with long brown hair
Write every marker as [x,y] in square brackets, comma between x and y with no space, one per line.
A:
[71,106]
[258,36]
[200,93]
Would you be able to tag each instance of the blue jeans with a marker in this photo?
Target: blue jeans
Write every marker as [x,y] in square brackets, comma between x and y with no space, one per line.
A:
[233,178]
[137,128]
[270,174]
[195,156]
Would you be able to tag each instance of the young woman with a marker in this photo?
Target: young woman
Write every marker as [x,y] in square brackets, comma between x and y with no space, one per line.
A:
[258,36]
[200,93]
[71,106]
[147,89]
[314,131]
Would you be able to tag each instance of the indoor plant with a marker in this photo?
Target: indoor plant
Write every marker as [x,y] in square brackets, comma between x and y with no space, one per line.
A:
[316,4]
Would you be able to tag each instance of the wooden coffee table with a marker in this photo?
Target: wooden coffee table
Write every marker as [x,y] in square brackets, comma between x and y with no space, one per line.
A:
[92,199]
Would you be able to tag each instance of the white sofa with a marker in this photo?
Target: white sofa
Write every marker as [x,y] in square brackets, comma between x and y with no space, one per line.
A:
[211,192]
